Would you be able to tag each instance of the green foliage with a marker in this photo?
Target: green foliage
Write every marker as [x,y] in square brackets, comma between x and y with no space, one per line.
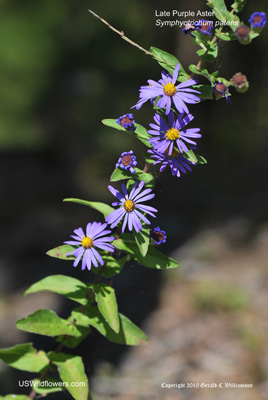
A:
[142,240]
[103,208]
[129,333]
[107,305]
[120,174]
[226,36]
[113,266]
[47,322]
[69,287]
[71,369]
[169,62]
[24,357]
[15,397]
[153,258]
[54,385]
[140,132]
[61,251]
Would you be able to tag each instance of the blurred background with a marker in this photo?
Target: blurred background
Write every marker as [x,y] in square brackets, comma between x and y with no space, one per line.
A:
[62,72]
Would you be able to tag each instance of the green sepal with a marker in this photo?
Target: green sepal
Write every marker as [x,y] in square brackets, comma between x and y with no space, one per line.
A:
[140,132]
[71,369]
[61,251]
[142,239]
[25,357]
[153,258]
[46,322]
[107,305]
[103,208]
[40,388]
[129,333]
[113,266]
[71,288]
[120,174]
[168,61]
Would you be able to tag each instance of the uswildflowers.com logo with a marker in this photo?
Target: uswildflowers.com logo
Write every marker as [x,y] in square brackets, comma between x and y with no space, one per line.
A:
[50,384]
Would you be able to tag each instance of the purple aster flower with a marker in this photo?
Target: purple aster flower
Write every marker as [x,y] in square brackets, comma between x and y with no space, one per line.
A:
[205,27]
[127,161]
[176,161]
[257,20]
[166,136]
[159,236]
[188,29]
[127,122]
[95,237]
[130,207]
[223,91]
[166,89]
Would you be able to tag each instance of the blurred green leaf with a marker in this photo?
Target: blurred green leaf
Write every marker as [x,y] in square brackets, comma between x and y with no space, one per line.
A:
[167,61]
[142,240]
[140,132]
[49,385]
[107,305]
[113,266]
[24,357]
[15,397]
[61,251]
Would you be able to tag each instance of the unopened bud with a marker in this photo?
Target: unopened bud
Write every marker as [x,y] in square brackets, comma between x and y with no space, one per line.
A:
[240,82]
[242,33]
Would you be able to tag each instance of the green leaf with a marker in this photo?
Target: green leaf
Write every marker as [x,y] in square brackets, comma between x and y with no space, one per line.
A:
[120,174]
[167,61]
[238,5]
[15,397]
[153,258]
[49,385]
[61,251]
[107,305]
[103,208]
[200,159]
[206,92]
[72,342]
[200,71]
[142,239]
[71,369]
[69,287]
[47,322]
[219,9]
[129,333]
[226,36]
[140,132]
[25,358]
[190,155]
[112,266]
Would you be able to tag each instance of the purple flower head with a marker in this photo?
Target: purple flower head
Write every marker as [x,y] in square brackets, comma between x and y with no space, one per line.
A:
[95,237]
[166,89]
[127,161]
[257,20]
[159,236]
[176,161]
[130,208]
[205,27]
[223,91]
[188,29]
[127,122]
[165,136]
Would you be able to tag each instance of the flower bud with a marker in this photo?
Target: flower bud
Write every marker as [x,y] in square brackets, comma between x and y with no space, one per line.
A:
[242,33]
[240,82]
[257,21]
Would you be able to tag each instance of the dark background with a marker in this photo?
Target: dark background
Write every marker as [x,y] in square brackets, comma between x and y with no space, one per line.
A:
[62,72]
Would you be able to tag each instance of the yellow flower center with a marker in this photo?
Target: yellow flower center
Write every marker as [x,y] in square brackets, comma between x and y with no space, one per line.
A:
[173,154]
[129,205]
[170,89]
[87,242]
[173,134]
